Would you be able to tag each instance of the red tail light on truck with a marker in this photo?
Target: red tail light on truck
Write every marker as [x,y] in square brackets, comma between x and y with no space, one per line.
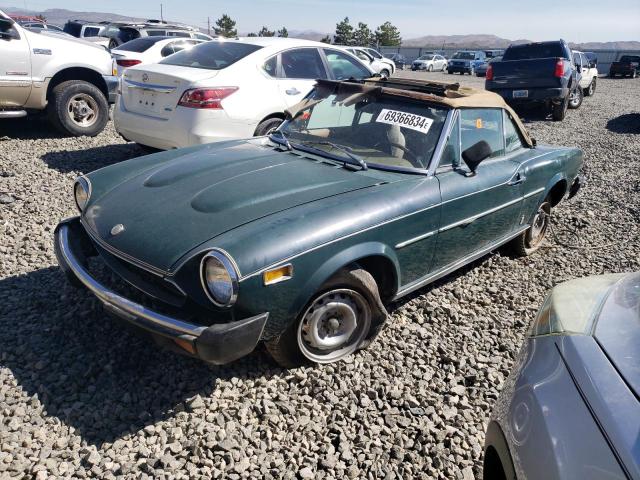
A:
[489,74]
[559,72]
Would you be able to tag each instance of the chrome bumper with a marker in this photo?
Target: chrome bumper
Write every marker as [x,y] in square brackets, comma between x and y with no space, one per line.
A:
[219,343]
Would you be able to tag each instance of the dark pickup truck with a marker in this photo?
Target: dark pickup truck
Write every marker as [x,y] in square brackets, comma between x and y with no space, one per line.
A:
[627,66]
[537,72]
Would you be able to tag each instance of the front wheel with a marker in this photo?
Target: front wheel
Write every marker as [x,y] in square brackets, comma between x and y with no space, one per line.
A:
[343,317]
[112,44]
[449,71]
[444,67]
[530,240]
[430,68]
[267,126]
[78,108]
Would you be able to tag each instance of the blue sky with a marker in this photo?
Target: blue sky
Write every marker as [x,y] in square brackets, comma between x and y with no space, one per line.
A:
[579,21]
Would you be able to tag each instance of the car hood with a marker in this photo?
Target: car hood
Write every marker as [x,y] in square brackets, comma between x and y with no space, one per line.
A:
[618,329]
[170,209]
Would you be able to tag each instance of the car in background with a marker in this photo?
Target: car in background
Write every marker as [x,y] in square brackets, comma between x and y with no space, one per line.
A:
[83,29]
[588,72]
[466,61]
[378,56]
[592,57]
[149,50]
[41,26]
[299,239]
[225,89]
[494,53]
[539,72]
[399,60]
[70,79]
[385,67]
[627,66]
[430,63]
[571,405]
[481,69]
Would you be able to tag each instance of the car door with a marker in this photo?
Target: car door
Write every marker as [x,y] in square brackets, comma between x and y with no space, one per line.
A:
[477,210]
[15,66]
[298,70]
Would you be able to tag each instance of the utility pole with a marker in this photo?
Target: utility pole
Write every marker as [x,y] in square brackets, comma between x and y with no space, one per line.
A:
[208,25]
[161,16]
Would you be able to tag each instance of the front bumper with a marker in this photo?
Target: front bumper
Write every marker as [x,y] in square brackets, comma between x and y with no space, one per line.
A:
[112,87]
[218,344]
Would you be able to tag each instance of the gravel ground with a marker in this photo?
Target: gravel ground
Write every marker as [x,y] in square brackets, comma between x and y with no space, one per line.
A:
[80,396]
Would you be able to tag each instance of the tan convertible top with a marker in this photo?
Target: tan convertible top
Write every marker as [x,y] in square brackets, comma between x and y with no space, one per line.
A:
[451,95]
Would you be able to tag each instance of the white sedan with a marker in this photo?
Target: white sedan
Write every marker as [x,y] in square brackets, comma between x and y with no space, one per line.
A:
[383,66]
[224,89]
[148,50]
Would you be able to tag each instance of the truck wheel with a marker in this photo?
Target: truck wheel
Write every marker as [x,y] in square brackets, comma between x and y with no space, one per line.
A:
[591,89]
[78,108]
[575,98]
[530,240]
[344,316]
[559,110]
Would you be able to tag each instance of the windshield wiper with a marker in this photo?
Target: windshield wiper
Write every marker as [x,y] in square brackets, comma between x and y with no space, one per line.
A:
[344,150]
[285,140]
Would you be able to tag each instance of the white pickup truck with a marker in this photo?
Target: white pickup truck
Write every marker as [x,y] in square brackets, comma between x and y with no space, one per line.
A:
[71,79]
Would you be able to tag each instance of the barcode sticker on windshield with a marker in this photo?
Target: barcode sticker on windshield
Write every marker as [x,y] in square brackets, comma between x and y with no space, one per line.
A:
[406,120]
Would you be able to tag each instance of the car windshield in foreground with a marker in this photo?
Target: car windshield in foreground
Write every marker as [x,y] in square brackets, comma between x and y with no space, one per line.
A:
[464,56]
[366,128]
[211,55]
[536,50]
[140,44]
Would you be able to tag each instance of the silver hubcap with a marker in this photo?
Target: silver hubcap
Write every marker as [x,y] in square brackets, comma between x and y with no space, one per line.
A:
[574,97]
[83,110]
[334,326]
[539,226]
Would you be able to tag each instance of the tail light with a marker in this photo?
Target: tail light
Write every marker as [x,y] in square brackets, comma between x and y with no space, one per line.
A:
[490,72]
[206,97]
[128,63]
[559,72]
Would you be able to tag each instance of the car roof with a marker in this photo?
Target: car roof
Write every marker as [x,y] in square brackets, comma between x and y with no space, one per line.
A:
[450,95]
[275,41]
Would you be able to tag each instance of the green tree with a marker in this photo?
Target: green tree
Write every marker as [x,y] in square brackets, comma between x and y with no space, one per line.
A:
[252,34]
[326,39]
[344,33]
[363,36]
[283,32]
[265,32]
[388,35]
[226,27]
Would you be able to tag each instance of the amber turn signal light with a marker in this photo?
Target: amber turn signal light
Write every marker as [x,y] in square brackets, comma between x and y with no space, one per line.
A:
[279,274]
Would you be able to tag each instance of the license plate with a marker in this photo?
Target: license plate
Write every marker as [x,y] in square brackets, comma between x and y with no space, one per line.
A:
[148,101]
[520,93]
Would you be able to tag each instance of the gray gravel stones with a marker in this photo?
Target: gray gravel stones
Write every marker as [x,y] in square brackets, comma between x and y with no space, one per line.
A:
[82,397]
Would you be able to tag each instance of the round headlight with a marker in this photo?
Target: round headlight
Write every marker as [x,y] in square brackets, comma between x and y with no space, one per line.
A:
[82,192]
[219,278]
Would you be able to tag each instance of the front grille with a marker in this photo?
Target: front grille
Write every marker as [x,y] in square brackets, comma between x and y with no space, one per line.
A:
[145,281]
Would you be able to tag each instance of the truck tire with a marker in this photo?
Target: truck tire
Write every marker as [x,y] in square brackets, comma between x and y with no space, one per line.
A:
[559,110]
[575,98]
[591,89]
[78,108]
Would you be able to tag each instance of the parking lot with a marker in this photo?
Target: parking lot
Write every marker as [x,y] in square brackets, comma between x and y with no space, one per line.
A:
[80,396]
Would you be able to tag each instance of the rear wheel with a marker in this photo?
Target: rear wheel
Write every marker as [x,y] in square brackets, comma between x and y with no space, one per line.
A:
[591,89]
[343,317]
[268,126]
[530,240]
[444,67]
[559,110]
[78,108]
[575,98]
[384,73]
[430,68]
[112,44]
[633,74]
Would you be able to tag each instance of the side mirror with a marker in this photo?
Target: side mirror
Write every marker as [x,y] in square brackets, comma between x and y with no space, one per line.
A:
[475,154]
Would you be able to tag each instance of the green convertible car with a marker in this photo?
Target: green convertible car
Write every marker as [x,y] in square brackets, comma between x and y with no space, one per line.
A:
[370,190]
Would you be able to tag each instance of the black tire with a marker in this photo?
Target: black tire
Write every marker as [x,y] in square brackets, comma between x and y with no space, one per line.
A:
[384,73]
[591,89]
[559,110]
[576,100]
[449,71]
[530,240]
[113,43]
[267,126]
[430,68]
[62,113]
[285,349]
[633,74]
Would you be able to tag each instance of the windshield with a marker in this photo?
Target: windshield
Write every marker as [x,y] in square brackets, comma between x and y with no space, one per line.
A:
[211,55]
[386,132]
[426,57]
[629,59]
[139,45]
[534,50]
[464,55]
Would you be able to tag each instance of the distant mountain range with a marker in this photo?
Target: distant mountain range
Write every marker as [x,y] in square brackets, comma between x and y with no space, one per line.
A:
[60,16]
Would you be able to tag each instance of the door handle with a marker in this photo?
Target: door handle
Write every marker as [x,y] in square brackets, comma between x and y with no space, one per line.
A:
[517,180]
[292,91]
